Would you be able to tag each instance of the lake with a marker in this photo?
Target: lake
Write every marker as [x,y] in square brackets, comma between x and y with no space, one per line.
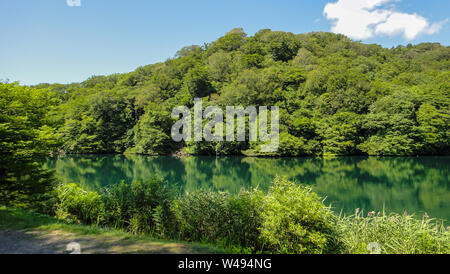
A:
[397,184]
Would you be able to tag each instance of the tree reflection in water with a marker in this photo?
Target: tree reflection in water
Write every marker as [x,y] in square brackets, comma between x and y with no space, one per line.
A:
[398,184]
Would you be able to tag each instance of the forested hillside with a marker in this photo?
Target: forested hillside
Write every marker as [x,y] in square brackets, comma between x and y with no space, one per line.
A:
[336,97]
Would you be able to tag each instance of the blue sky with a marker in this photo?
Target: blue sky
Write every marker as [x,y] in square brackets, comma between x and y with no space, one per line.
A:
[51,41]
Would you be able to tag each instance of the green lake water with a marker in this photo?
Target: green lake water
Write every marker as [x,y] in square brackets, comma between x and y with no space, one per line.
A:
[398,184]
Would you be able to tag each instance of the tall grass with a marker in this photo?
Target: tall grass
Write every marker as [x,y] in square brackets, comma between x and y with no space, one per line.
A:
[220,218]
[393,234]
[139,207]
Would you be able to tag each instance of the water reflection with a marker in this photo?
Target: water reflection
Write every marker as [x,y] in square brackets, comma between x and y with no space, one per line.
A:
[369,183]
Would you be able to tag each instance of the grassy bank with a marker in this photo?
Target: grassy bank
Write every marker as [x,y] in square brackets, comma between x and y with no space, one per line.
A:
[33,228]
[151,217]
[288,219]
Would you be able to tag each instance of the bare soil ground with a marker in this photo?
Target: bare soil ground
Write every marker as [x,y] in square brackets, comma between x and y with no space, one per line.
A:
[56,241]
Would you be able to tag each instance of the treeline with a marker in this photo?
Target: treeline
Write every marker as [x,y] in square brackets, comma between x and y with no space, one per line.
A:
[336,97]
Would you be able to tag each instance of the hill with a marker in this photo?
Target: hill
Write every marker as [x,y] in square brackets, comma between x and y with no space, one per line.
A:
[336,97]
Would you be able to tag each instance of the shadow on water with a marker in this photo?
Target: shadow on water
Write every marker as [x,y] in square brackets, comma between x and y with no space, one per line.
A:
[398,184]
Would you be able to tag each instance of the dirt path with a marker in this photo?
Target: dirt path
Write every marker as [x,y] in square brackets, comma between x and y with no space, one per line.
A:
[14,242]
[55,242]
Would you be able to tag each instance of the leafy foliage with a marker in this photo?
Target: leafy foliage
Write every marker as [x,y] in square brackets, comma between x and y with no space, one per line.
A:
[77,205]
[337,97]
[295,220]
[27,134]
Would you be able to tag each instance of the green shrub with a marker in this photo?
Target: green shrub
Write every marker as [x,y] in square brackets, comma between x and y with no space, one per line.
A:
[140,207]
[220,218]
[77,205]
[246,208]
[202,216]
[394,234]
[295,220]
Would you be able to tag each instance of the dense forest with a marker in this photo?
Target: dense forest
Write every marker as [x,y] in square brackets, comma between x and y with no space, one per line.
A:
[336,97]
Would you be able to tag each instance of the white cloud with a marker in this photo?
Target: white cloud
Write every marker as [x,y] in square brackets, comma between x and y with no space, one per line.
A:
[363,19]
[73,3]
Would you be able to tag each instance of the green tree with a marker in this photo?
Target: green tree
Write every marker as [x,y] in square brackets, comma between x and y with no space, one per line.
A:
[26,137]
